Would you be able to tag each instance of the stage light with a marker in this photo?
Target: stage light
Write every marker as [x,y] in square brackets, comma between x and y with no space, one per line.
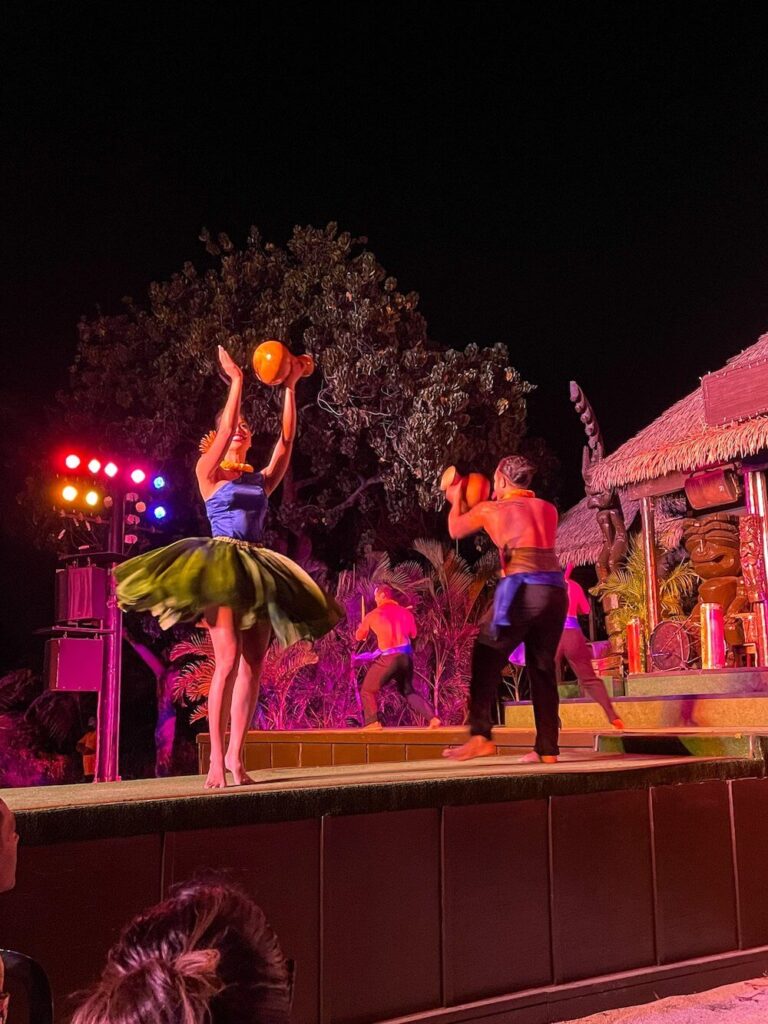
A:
[131,538]
[92,498]
[138,476]
[159,512]
[68,492]
[94,466]
[72,461]
[110,469]
[158,483]
[141,506]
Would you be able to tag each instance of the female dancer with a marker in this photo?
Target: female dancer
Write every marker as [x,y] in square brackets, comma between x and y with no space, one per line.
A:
[243,591]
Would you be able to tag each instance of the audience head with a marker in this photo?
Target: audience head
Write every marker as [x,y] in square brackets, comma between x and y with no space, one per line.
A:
[9,842]
[206,955]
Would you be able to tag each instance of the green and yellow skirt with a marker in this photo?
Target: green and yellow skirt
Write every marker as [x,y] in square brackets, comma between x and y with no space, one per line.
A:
[178,582]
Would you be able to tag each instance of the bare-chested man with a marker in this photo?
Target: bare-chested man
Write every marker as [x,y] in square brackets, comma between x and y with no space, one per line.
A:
[394,627]
[530,604]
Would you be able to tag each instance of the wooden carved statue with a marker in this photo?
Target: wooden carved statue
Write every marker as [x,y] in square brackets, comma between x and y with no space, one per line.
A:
[712,543]
[751,551]
[606,504]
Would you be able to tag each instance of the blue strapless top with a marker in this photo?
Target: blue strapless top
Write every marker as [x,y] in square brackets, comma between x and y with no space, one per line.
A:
[238,509]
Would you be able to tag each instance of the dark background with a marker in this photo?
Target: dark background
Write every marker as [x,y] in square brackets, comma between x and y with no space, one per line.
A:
[586,183]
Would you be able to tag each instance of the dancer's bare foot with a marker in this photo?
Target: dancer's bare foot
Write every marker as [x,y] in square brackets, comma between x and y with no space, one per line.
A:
[533,758]
[435,723]
[239,775]
[372,727]
[216,778]
[476,746]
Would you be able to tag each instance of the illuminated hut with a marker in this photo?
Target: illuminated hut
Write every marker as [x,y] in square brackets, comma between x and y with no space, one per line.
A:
[713,447]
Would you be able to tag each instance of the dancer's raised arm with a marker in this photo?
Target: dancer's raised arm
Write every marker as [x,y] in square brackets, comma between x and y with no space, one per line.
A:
[208,463]
[278,464]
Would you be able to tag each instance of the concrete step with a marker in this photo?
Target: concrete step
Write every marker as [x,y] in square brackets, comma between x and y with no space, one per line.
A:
[684,742]
[720,681]
[714,711]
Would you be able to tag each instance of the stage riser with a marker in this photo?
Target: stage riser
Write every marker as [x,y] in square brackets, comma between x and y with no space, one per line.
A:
[327,747]
[401,913]
[737,681]
[654,713]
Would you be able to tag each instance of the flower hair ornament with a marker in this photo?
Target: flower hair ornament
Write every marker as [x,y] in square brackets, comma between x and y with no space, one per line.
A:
[205,443]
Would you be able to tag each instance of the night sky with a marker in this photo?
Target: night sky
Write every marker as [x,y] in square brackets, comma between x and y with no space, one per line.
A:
[586,183]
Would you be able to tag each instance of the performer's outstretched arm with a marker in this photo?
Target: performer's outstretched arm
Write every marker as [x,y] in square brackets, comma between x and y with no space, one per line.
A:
[276,469]
[208,463]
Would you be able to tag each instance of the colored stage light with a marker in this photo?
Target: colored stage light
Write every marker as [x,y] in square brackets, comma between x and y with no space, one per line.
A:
[68,492]
[141,506]
[159,512]
[158,483]
[72,461]
[94,466]
[92,498]
[138,476]
[110,469]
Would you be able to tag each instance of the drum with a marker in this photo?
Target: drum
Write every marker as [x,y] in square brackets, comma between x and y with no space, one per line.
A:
[674,646]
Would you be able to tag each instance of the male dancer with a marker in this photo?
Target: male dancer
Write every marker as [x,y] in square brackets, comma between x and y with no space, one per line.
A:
[574,648]
[394,627]
[529,605]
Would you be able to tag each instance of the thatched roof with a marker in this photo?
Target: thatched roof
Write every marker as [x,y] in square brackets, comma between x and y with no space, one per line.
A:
[680,440]
[579,539]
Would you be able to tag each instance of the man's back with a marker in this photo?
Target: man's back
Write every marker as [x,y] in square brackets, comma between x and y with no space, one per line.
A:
[393,625]
[525,523]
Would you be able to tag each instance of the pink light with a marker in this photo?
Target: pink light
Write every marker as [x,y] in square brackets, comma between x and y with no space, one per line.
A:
[94,466]
[72,461]
[110,469]
[138,476]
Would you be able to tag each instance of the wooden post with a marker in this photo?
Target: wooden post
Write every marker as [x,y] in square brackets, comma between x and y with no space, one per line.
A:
[652,613]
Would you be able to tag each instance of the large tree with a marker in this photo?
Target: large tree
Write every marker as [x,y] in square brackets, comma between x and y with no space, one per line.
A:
[385,412]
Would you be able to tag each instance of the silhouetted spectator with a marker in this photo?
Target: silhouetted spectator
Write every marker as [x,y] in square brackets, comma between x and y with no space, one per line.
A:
[206,954]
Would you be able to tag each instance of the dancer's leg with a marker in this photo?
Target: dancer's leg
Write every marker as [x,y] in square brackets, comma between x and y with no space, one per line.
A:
[489,657]
[545,609]
[254,643]
[225,638]
[379,673]
[574,647]
[415,701]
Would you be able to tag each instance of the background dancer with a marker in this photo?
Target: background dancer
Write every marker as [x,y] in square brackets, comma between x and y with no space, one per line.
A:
[394,627]
[244,591]
[573,647]
[529,605]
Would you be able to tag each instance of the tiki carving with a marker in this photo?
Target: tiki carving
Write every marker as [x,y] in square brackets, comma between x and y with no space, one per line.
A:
[751,550]
[712,543]
[606,504]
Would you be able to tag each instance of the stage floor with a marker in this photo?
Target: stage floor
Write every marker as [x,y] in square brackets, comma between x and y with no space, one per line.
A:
[53,813]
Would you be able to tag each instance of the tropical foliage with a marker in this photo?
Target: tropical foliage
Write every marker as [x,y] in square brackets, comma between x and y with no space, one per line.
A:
[386,410]
[677,581]
[306,687]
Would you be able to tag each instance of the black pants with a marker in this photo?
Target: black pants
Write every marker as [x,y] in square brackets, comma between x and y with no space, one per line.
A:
[537,617]
[397,668]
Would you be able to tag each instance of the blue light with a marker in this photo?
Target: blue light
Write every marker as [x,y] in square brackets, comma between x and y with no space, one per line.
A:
[159,512]
[159,483]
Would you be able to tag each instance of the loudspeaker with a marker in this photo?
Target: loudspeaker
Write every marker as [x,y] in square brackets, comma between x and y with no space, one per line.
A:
[713,487]
[74,663]
[81,593]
